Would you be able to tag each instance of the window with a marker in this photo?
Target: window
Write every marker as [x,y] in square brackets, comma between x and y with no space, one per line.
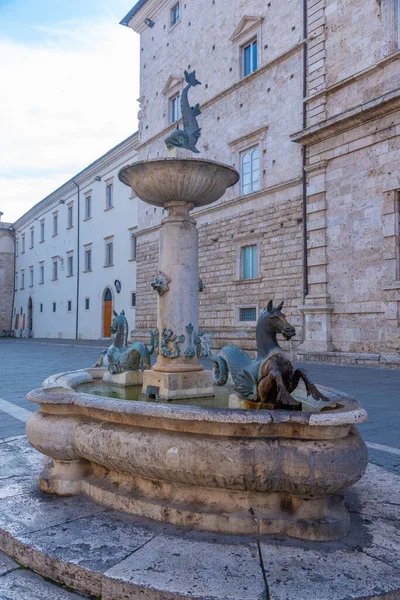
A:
[17,248]
[70,265]
[133,299]
[250,170]
[88,260]
[175,108]
[175,14]
[248,314]
[397,209]
[54,306]
[41,308]
[23,243]
[109,195]
[22,280]
[109,254]
[30,276]
[41,273]
[88,207]
[70,216]
[133,246]
[16,281]
[55,270]
[87,303]
[55,223]
[32,237]
[248,262]
[42,231]
[69,306]
[249,58]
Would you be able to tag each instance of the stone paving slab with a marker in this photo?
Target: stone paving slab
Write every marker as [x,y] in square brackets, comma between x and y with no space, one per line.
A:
[24,585]
[122,557]
[7,564]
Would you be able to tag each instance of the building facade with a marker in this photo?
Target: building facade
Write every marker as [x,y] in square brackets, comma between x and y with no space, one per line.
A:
[6,275]
[76,254]
[302,98]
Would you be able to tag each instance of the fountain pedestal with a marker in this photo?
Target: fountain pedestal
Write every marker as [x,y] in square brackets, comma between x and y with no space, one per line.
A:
[178,185]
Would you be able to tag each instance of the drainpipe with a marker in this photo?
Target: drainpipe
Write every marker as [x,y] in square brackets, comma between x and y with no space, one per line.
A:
[77,261]
[304,151]
[12,230]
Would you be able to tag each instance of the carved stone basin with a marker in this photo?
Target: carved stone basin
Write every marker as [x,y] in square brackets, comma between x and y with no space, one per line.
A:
[222,470]
[196,181]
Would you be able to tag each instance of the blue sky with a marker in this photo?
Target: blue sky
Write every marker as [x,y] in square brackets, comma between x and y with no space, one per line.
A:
[66,98]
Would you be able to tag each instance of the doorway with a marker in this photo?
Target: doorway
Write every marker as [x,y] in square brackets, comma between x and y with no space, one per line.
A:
[30,316]
[107,313]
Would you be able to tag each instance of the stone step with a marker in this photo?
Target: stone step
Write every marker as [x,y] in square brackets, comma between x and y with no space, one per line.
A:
[102,552]
[17,583]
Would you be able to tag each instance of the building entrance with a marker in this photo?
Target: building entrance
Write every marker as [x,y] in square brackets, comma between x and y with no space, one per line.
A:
[107,313]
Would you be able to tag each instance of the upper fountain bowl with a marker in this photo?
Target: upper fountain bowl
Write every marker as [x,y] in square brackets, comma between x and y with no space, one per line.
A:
[197,181]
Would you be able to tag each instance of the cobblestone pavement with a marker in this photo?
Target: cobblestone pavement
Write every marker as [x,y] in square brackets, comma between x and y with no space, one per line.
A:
[26,363]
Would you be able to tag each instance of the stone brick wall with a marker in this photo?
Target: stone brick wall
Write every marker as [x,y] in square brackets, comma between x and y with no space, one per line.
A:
[6,278]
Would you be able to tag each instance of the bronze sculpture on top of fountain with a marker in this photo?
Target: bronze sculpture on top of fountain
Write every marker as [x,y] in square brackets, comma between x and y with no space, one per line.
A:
[270,378]
[189,136]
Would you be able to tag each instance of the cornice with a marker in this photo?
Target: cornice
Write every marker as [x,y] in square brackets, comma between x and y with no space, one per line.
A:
[149,9]
[69,188]
[368,111]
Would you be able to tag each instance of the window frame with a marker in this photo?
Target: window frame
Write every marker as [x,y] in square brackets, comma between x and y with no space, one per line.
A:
[109,255]
[109,197]
[249,44]
[23,243]
[55,223]
[87,303]
[42,231]
[242,243]
[70,215]
[88,253]
[41,273]
[54,272]
[253,262]
[133,246]
[253,184]
[172,111]
[239,307]
[22,279]
[175,14]
[32,237]
[70,264]
[133,302]
[69,306]
[31,275]
[88,203]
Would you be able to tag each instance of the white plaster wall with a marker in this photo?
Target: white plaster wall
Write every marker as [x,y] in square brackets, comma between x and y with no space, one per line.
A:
[117,221]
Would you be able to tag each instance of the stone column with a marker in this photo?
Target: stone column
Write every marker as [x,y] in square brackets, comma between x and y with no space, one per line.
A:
[178,372]
[178,302]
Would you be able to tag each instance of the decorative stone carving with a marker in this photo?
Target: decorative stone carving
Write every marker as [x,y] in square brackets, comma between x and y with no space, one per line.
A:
[189,136]
[201,285]
[190,351]
[122,357]
[155,341]
[168,338]
[160,284]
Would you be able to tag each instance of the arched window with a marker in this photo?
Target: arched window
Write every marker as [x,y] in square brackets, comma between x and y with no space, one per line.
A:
[250,170]
[108,295]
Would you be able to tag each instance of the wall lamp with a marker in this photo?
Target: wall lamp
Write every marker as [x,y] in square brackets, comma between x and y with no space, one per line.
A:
[61,202]
[149,22]
[97,178]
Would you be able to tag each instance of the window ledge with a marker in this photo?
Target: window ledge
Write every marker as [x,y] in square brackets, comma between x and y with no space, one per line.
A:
[87,218]
[253,280]
[108,208]
[55,279]
[175,25]
[54,235]
[70,275]
[41,241]
[107,266]
[71,227]
[87,271]
[41,282]
[132,259]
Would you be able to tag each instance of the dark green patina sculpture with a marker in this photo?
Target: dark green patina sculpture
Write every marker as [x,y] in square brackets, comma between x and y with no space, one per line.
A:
[270,378]
[189,136]
[121,356]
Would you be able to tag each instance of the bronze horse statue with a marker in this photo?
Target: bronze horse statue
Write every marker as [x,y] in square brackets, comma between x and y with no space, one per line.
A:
[121,356]
[270,378]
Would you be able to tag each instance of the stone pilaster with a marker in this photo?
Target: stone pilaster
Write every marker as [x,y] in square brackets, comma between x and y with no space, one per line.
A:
[317,307]
[316,67]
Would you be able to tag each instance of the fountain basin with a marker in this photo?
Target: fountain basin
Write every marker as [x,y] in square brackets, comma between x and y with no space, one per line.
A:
[223,470]
[196,181]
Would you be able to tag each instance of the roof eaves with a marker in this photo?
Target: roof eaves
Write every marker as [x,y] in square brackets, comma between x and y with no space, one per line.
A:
[132,12]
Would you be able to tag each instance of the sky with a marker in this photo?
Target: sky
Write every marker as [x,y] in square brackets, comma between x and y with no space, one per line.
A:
[69,83]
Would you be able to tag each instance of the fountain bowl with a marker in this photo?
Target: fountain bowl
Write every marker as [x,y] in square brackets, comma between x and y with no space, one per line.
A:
[195,181]
[265,472]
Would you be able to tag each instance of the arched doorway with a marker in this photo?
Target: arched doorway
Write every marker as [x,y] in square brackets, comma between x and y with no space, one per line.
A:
[107,313]
[30,316]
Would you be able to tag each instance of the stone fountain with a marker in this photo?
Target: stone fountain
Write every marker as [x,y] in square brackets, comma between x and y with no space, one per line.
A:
[255,472]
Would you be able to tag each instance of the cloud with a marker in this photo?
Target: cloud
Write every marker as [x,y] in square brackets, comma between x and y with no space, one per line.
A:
[64,102]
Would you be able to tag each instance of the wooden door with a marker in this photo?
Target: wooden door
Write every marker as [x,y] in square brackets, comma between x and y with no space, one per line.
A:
[107,312]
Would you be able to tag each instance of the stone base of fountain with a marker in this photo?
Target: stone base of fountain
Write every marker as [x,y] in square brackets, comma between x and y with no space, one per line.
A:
[103,552]
[124,379]
[228,471]
[179,385]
